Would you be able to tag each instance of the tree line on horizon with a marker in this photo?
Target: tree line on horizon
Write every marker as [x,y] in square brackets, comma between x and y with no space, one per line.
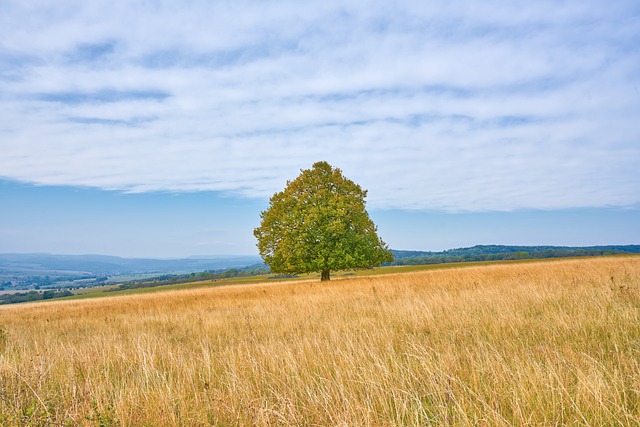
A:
[18,297]
[504,253]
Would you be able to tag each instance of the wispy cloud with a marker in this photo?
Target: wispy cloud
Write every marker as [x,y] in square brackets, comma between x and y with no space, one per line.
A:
[430,105]
[101,96]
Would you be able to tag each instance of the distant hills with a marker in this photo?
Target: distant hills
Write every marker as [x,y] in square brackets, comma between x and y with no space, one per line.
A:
[52,265]
[93,265]
[500,252]
[48,276]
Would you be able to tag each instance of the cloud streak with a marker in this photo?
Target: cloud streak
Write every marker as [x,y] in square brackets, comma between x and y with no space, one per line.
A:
[502,106]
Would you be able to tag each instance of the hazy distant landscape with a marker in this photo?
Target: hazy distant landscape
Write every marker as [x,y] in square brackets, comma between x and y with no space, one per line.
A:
[33,277]
[112,265]
[23,271]
[27,269]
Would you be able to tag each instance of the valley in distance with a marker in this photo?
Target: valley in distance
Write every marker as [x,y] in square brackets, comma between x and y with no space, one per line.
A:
[40,276]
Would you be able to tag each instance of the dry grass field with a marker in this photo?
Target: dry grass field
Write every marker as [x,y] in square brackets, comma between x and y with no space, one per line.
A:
[542,343]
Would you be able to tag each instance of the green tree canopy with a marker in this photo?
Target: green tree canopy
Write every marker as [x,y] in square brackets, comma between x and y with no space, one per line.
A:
[319,223]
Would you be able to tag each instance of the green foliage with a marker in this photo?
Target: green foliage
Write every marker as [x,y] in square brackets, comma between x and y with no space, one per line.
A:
[318,223]
[103,417]
[33,296]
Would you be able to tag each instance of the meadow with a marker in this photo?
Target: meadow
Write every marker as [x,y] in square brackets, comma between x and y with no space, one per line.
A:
[537,343]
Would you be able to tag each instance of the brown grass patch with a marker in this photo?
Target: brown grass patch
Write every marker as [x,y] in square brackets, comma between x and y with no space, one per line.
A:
[540,343]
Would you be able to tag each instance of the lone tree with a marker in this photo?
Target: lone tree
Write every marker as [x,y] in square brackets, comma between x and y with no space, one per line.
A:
[319,223]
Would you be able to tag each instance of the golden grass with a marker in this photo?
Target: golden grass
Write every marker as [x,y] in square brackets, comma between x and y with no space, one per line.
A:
[544,343]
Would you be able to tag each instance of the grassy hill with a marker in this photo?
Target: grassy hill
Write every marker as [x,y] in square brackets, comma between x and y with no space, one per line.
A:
[533,343]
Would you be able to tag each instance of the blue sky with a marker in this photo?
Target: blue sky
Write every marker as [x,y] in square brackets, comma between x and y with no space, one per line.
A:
[158,129]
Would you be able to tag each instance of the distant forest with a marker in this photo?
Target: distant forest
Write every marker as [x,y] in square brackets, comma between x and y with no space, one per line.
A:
[500,252]
[15,298]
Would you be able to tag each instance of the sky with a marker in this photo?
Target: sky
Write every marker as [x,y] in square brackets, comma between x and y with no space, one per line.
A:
[161,129]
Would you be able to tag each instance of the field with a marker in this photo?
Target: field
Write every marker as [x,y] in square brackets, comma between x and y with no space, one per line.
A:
[537,343]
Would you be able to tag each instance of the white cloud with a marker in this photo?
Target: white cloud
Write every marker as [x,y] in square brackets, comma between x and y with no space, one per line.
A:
[482,106]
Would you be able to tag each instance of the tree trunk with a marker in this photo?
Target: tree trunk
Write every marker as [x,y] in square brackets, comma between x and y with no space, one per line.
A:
[325,275]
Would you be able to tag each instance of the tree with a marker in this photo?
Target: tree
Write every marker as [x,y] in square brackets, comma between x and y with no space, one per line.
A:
[319,223]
